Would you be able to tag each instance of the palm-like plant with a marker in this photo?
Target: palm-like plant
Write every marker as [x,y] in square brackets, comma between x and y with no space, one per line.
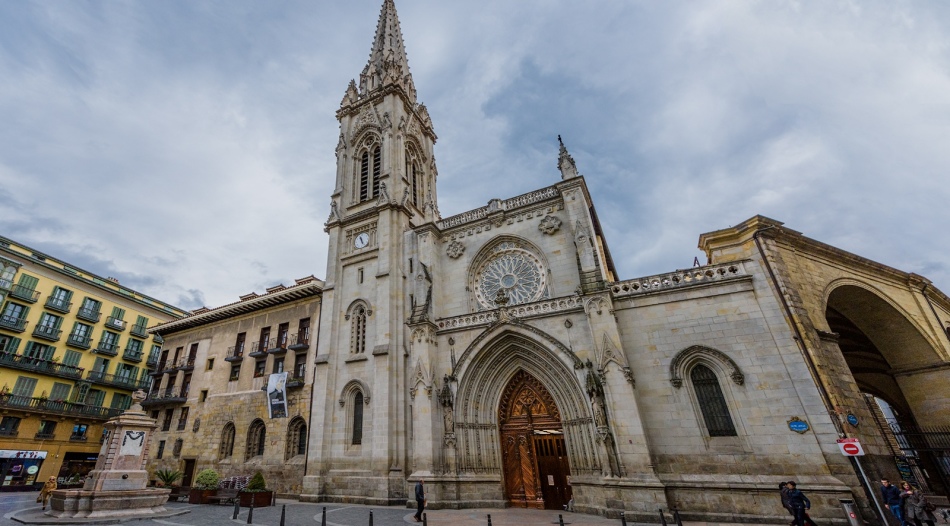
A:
[168,477]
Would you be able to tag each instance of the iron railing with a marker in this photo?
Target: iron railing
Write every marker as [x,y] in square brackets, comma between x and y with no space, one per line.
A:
[22,293]
[89,315]
[115,323]
[81,341]
[139,330]
[121,381]
[39,365]
[61,407]
[58,304]
[47,333]
[104,347]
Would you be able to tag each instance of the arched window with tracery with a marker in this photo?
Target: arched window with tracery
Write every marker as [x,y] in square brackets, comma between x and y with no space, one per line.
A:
[227,440]
[256,439]
[711,401]
[296,437]
[357,438]
[358,337]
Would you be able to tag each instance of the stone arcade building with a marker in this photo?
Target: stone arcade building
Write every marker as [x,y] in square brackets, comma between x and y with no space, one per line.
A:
[496,354]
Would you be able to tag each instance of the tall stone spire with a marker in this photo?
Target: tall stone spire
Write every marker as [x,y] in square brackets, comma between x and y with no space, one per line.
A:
[565,163]
[387,64]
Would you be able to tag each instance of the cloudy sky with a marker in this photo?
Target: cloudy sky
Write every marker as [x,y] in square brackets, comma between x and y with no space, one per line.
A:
[186,147]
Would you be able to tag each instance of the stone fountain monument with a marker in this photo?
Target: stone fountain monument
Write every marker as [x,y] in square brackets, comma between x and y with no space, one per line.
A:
[116,488]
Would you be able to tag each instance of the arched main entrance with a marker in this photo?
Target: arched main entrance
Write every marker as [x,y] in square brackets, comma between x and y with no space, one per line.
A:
[536,470]
[891,360]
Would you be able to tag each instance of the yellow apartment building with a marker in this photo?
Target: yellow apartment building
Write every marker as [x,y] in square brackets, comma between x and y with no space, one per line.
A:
[73,348]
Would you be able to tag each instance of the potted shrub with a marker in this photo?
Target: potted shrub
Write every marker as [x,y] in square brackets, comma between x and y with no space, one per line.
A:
[206,485]
[167,477]
[257,492]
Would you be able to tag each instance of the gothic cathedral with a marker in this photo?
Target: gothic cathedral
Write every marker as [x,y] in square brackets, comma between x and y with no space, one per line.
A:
[496,354]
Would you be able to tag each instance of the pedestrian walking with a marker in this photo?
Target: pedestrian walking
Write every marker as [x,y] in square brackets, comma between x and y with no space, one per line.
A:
[47,491]
[799,503]
[917,508]
[420,500]
[892,499]
[784,490]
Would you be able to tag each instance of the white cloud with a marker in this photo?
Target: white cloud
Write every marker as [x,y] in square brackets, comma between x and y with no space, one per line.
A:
[188,148]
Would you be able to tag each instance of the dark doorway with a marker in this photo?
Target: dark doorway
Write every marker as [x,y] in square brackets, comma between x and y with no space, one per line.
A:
[188,473]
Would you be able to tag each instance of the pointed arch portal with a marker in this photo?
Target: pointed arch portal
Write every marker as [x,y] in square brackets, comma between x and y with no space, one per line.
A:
[534,456]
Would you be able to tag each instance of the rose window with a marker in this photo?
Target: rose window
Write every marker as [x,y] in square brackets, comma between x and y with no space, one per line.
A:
[515,272]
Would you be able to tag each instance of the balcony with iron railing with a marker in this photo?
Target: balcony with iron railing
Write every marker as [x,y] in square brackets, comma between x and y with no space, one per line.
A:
[60,407]
[132,354]
[235,353]
[158,339]
[300,341]
[37,365]
[44,436]
[24,294]
[295,381]
[80,341]
[90,315]
[45,332]
[139,330]
[279,344]
[115,323]
[259,348]
[152,360]
[9,433]
[77,438]
[12,323]
[113,380]
[107,348]
[58,304]
[169,395]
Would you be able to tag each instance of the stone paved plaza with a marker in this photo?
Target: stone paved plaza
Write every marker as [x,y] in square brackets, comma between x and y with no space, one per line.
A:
[23,506]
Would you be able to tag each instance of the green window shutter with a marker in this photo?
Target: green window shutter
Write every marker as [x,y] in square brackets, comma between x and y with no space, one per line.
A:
[72,358]
[28,282]
[141,320]
[24,386]
[25,313]
[120,401]
[69,295]
[11,345]
[60,391]
[118,313]
[59,322]
[95,398]
[101,365]
[47,352]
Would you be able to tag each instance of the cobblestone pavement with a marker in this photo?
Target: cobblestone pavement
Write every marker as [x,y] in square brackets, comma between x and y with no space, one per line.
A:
[23,506]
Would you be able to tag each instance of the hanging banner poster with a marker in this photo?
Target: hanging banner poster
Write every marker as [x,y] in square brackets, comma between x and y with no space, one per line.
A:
[277,395]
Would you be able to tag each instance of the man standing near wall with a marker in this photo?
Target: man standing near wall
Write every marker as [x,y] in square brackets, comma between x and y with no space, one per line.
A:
[892,498]
[421,500]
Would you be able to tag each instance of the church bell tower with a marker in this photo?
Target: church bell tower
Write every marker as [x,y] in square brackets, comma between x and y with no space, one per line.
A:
[385,185]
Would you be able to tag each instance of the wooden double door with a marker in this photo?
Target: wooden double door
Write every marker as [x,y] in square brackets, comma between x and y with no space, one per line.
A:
[537,472]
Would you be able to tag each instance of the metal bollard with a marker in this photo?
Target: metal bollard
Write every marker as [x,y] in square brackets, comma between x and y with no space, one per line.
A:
[370,517]
[676,517]
[662,517]
[237,509]
[250,514]
[425,521]
[323,522]
[560,519]
[623,519]
[283,511]
[489,519]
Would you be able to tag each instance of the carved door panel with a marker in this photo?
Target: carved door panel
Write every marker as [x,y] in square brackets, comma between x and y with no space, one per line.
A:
[553,470]
[526,408]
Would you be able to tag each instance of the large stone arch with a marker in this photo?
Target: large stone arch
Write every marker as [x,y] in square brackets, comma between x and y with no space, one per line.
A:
[482,378]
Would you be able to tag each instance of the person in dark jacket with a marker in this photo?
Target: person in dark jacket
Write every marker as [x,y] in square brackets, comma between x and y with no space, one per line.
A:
[892,499]
[783,490]
[420,500]
[799,503]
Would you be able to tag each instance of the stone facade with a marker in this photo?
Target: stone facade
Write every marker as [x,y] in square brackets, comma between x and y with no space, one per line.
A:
[496,354]
[209,390]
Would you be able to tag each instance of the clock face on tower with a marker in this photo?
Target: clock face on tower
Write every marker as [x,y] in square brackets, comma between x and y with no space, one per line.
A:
[361,240]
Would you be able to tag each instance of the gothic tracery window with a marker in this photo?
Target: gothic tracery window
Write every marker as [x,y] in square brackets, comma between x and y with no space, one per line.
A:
[712,403]
[414,174]
[296,437]
[512,270]
[227,440]
[256,439]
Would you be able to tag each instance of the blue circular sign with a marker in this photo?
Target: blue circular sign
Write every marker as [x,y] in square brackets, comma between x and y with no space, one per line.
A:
[798,426]
[853,420]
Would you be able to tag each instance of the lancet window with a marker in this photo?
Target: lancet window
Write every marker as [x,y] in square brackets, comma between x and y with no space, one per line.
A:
[358,336]
[357,438]
[227,441]
[712,403]
[371,162]
[414,174]
[296,437]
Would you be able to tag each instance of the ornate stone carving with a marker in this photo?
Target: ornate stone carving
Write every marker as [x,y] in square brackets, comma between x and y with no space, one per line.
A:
[549,225]
[455,249]
[679,279]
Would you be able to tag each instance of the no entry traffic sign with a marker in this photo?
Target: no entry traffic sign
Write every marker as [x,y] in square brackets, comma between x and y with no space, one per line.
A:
[850,447]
